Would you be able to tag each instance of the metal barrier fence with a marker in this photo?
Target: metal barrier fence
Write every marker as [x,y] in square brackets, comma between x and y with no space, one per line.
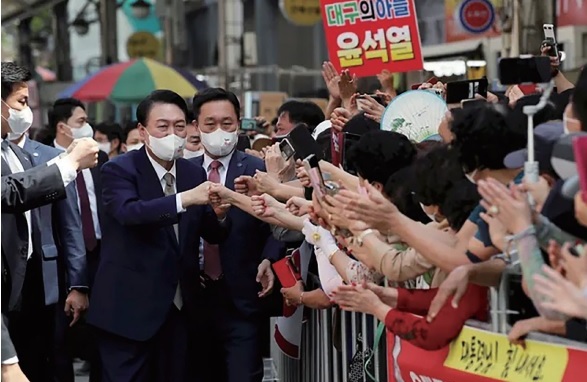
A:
[338,350]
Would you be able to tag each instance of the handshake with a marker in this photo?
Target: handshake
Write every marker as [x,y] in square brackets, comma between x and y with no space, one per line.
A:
[82,153]
[218,196]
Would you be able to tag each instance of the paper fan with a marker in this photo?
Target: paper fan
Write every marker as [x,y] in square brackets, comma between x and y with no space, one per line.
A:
[416,114]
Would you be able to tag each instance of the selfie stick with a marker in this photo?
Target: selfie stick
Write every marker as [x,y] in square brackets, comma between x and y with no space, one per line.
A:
[531,166]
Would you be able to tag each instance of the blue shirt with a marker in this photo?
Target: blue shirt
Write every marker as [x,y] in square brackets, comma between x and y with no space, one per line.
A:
[482,233]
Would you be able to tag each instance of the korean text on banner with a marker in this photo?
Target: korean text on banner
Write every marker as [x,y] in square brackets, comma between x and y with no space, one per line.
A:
[490,355]
[368,36]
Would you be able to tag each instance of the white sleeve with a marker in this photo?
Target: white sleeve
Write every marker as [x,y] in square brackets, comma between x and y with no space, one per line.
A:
[329,277]
[68,173]
[10,361]
[178,204]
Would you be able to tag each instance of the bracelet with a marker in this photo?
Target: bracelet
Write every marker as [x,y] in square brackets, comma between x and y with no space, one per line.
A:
[302,298]
[331,255]
[364,234]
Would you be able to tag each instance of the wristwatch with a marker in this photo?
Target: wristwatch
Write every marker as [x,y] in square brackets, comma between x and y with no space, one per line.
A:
[364,234]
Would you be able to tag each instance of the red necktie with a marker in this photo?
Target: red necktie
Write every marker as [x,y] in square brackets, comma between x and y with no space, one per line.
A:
[212,265]
[88,228]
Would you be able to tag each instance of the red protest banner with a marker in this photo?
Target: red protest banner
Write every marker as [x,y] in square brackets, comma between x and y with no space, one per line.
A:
[368,36]
[480,356]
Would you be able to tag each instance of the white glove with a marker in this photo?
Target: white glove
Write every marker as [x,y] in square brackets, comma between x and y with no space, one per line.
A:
[319,237]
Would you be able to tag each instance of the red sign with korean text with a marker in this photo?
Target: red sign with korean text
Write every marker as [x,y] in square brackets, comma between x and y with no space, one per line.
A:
[481,356]
[369,36]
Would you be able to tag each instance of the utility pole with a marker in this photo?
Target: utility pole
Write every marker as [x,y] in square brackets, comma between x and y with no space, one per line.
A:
[222,56]
[63,54]
[108,31]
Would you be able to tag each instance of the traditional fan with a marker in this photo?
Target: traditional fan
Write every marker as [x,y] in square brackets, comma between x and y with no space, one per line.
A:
[416,114]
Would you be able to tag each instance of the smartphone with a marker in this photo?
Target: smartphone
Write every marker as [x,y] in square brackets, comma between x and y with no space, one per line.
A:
[248,124]
[311,163]
[580,151]
[472,103]
[524,70]
[431,80]
[303,143]
[287,150]
[376,97]
[349,139]
[550,37]
[460,90]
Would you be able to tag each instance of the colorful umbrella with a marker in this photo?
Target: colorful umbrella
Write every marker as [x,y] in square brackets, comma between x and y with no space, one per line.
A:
[130,82]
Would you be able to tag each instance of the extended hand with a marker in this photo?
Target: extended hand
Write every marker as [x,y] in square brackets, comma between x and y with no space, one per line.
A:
[83,153]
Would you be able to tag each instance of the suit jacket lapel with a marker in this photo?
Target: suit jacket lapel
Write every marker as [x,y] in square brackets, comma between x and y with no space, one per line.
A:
[24,159]
[5,168]
[236,168]
[150,184]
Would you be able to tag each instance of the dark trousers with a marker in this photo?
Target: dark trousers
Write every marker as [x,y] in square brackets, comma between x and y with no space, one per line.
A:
[31,328]
[225,345]
[163,358]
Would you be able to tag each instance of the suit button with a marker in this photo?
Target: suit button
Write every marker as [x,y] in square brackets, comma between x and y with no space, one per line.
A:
[24,251]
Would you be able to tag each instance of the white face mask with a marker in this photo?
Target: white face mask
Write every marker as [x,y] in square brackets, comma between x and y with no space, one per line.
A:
[188,154]
[19,120]
[85,131]
[219,143]
[471,176]
[168,148]
[136,146]
[430,216]
[566,121]
[106,147]
[13,136]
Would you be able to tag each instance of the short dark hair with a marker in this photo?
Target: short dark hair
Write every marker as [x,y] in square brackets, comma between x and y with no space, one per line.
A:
[437,171]
[484,135]
[303,112]
[360,124]
[215,94]
[461,200]
[61,111]
[379,154]
[13,74]
[159,96]
[111,129]
[128,127]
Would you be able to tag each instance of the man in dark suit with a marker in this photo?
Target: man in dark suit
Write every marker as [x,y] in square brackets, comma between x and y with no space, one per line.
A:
[22,248]
[229,337]
[155,211]
[68,120]
[65,277]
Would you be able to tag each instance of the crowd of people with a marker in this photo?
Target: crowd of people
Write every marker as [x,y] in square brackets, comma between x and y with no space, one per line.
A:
[155,259]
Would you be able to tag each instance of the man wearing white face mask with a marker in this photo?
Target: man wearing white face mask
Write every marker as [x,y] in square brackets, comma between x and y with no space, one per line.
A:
[238,271]
[61,237]
[155,211]
[68,120]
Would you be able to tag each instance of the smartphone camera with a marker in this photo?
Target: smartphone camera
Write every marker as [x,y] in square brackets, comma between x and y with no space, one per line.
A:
[248,124]
[287,150]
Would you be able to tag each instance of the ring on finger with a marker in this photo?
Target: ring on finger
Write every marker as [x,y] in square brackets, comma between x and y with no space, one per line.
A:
[494,210]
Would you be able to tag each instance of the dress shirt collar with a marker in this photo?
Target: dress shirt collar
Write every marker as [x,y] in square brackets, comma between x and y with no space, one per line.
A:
[160,170]
[22,141]
[58,146]
[225,161]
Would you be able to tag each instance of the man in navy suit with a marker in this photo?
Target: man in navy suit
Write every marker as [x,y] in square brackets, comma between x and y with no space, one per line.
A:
[231,324]
[64,259]
[155,211]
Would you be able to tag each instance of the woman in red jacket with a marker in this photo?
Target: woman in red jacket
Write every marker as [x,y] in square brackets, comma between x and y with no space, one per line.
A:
[403,311]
